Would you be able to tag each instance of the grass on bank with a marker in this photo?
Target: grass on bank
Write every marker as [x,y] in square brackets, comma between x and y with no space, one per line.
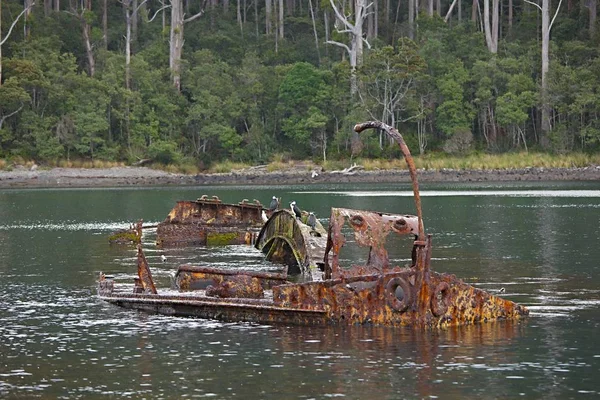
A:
[432,161]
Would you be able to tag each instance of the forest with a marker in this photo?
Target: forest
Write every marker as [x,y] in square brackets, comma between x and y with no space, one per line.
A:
[202,81]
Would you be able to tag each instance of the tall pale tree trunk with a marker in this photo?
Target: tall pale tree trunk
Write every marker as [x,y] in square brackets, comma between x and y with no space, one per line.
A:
[510,15]
[545,67]
[474,8]
[105,23]
[268,16]
[238,14]
[280,19]
[593,11]
[355,50]
[27,7]
[176,40]
[86,34]
[491,32]
[3,40]
[134,21]
[411,19]
[314,24]
[449,13]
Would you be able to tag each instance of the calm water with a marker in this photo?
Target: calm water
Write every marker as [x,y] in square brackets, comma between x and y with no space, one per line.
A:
[538,241]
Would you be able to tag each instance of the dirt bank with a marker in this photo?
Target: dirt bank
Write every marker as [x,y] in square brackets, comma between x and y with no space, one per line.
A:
[129,176]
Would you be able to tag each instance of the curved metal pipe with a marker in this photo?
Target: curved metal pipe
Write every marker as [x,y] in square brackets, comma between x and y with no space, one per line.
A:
[392,132]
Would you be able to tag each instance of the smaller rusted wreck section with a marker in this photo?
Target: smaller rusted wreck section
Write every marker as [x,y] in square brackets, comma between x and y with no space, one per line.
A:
[209,221]
[338,290]
[132,235]
[297,242]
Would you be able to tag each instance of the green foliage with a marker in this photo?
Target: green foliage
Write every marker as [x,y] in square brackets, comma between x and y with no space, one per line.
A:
[248,95]
[302,97]
[164,152]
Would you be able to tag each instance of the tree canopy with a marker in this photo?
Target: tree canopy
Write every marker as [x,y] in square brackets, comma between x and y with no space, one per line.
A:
[122,80]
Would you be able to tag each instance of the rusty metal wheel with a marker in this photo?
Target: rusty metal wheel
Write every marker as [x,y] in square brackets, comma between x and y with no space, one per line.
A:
[398,293]
[440,299]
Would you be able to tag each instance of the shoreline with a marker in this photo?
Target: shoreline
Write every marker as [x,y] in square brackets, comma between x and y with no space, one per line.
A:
[143,176]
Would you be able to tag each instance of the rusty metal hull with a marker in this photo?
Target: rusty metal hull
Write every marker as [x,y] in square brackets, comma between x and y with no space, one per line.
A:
[210,308]
[360,301]
[208,221]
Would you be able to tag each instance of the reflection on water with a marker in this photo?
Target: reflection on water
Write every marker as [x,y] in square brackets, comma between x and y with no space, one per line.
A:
[59,341]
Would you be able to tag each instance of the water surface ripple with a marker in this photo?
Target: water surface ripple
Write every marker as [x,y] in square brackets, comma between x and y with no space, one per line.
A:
[60,341]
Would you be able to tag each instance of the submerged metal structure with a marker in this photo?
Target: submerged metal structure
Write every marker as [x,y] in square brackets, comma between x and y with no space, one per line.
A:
[209,221]
[291,241]
[337,291]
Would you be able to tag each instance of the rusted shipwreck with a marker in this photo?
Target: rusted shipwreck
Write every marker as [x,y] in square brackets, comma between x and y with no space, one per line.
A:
[209,221]
[375,292]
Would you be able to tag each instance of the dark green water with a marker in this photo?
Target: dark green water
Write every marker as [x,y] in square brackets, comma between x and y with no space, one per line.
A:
[541,242]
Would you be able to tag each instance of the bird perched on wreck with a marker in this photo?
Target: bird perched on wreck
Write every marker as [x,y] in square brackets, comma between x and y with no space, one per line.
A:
[311,221]
[274,204]
[163,258]
[295,209]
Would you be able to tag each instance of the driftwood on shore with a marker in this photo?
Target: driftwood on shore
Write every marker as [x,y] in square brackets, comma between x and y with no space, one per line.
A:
[351,170]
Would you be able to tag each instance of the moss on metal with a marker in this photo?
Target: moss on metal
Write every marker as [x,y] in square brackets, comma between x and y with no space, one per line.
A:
[221,239]
[125,237]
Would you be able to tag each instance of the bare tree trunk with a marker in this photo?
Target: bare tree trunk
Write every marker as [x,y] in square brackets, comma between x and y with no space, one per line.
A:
[386,12]
[430,8]
[128,23]
[134,21]
[545,66]
[27,6]
[281,19]
[47,7]
[256,16]
[87,39]
[510,15]
[2,41]
[355,50]
[449,13]
[474,10]
[268,16]
[411,19]
[593,10]
[239,16]
[491,32]
[105,23]
[312,16]
[56,5]
[495,25]
[176,42]
[438,7]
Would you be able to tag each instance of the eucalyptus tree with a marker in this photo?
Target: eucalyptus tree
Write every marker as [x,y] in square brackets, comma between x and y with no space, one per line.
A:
[491,31]
[82,11]
[10,30]
[389,77]
[178,21]
[344,24]
[546,28]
